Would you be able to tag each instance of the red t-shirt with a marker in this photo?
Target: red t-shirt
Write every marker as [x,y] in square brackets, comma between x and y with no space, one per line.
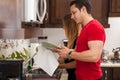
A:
[89,70]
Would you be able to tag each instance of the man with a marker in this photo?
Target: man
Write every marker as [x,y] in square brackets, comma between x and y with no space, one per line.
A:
[89,44]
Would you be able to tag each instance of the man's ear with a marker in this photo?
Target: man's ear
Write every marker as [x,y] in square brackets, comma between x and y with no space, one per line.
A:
[83,9]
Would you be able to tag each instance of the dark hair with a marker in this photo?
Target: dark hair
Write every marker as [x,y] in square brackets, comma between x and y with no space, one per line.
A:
[80,3]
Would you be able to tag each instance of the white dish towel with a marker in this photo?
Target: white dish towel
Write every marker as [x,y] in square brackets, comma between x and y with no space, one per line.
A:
[46,60]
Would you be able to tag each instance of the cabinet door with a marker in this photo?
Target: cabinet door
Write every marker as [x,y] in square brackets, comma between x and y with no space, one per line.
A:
[10,19]
[111,73]
[10,13]
[100,11]
[57,9]
[107,73]
[116,73]
[114,8]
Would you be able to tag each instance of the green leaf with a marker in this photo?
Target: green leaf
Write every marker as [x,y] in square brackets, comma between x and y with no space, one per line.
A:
[18,55]
[23,56]
[3,57]
[26,53]
[13,55]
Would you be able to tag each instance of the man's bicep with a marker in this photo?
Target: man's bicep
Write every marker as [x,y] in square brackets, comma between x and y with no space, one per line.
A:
[96,46]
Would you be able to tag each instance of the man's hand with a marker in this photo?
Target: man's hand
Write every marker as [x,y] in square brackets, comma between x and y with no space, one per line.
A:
[63,51]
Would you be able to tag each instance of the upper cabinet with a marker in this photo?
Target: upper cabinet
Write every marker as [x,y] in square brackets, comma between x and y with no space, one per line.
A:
[100,11]
[114,10]
[56,9]
[10,13]
[10,19]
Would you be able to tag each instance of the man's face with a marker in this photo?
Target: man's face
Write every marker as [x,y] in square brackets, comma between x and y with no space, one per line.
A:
[76,14]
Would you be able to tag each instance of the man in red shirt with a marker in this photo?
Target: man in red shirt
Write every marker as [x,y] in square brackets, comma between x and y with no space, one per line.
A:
[89,44]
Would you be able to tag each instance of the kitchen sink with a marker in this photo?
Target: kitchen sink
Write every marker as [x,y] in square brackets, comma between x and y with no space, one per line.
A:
[39,73]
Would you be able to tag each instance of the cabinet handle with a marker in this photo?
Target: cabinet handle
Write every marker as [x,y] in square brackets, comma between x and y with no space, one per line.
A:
[43,12]
[106,75]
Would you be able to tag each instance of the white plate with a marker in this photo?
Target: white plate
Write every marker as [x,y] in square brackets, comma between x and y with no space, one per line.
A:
[49,45]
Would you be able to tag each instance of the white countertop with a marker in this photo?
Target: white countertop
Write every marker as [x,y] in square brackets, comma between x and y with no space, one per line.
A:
[110,64]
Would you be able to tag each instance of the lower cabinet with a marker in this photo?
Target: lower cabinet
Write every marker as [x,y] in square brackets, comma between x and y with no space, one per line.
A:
[111,73]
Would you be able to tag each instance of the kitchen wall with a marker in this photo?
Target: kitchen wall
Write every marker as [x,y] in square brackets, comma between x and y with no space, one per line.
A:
[113,34]
[55,35]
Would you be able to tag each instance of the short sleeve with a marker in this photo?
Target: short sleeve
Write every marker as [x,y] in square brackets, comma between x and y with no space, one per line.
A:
[96,32]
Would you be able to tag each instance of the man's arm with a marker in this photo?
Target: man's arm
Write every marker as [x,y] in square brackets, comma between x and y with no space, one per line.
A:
[91,55]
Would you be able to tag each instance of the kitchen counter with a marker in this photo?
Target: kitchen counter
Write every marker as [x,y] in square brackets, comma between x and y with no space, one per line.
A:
[111,70]
[110,64]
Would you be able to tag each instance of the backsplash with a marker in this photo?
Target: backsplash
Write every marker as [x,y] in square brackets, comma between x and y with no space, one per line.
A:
[55,35]
[112,34]
[7,46]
